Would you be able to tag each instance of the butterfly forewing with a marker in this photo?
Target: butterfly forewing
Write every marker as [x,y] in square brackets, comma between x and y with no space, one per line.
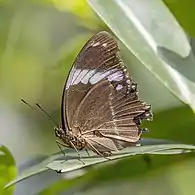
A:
[100,102]
[97,60]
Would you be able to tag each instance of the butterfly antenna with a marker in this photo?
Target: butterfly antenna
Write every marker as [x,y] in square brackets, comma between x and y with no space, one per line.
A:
[23,101]
[41,110]
[46,114]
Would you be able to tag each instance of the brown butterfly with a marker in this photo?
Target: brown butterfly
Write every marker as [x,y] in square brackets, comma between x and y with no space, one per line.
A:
[100,109]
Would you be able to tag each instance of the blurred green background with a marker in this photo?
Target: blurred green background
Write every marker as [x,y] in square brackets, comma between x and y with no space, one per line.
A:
[38,43]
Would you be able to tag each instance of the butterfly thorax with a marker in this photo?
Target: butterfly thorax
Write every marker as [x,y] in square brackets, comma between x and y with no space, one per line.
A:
[70,140]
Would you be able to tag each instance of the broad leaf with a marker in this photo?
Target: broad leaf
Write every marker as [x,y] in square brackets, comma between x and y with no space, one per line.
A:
[145,28]
[7,169]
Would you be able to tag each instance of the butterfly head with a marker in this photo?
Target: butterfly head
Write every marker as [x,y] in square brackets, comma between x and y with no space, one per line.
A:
[65,136]
[59,132]
[69,139]
[62,135]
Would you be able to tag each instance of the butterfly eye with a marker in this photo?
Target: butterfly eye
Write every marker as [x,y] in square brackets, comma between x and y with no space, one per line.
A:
[57,132]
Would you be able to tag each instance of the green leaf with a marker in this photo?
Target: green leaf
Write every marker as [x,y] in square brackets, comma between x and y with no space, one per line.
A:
[78,7]
[8,169]
[61,186]
[127,169]
[71,164]
[145,28]
[81,9]
[36,169]
[174,124]
[184,12]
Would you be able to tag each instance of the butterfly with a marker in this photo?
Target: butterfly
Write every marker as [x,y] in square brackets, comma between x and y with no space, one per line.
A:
[100,110]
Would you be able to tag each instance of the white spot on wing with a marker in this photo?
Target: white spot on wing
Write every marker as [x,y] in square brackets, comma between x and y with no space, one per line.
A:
[117,76]
[97,77]
[78,77]
[93,76]
[128,81]
[100,75]
[85,80]
[118,87]
[95,44]
[71,77]
[104,44]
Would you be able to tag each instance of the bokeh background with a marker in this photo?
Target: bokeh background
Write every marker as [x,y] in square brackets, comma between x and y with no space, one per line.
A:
[38,43]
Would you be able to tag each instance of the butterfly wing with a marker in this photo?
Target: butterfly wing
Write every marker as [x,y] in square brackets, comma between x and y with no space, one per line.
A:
[97,60]
[99,98]
[106,112]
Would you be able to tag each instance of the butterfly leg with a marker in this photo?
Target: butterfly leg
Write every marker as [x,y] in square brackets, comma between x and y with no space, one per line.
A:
[59,144]
[98,152]
[87,152]
[80,158]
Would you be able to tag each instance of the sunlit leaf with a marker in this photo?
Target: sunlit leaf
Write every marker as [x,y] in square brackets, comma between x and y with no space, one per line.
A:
[81,9]
[8,169]
[78,7]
